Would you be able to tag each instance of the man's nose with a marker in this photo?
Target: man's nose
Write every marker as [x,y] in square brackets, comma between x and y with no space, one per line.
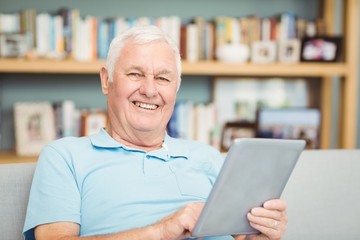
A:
[148,86]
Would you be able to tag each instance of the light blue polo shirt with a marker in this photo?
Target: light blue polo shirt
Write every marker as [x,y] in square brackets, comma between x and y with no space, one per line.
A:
[107,187]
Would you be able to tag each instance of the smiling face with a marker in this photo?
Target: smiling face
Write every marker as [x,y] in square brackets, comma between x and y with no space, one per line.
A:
[142,93]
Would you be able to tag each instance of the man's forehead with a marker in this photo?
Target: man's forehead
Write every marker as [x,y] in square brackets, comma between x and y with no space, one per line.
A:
[156,64]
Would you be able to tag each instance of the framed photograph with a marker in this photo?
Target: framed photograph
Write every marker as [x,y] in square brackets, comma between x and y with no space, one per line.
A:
[237,99]
[93,121]
[34,127]
[263,52]
[289,51]
[13,45]
[233,130]
[290,123]
[321,49]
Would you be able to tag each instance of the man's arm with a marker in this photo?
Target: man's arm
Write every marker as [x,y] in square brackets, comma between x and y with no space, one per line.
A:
[70,231]
[270,220]
[175,226]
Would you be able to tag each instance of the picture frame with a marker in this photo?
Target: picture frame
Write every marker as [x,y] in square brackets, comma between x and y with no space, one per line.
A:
[93,121]
[233,130]
[34,127]
[263,52]
[13,45]
[321,49]
[289,51]
[290,123]
[243,96]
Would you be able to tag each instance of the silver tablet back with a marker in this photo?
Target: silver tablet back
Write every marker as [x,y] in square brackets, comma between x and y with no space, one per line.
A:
[255,170]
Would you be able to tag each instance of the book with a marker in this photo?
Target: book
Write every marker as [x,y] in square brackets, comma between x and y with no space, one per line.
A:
[28,25]
[66,15]
[192,43]
[102,38]
[43,34]
[183,42]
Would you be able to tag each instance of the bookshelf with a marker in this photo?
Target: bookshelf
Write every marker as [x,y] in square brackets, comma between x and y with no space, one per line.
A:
[346,70]
[209,68]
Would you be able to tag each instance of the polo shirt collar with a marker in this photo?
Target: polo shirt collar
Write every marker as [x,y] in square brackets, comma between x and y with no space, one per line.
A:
[103,140]
[172,147]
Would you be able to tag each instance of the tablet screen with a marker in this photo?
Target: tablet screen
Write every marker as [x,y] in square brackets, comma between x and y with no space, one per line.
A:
[255,170]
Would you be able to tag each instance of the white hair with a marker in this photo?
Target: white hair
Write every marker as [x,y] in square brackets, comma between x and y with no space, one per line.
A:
[140,35]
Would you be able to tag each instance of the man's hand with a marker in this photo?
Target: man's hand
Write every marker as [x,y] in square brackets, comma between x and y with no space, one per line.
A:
[270,220]
[181,223]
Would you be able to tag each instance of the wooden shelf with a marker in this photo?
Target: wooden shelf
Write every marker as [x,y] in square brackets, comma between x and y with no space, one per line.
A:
[276,69]
[210,68]
[49,66]
[11,157]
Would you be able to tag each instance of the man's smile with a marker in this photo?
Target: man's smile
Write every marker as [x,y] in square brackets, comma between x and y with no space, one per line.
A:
[146,106]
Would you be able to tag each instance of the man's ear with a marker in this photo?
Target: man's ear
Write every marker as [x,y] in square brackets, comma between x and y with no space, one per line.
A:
[104,76]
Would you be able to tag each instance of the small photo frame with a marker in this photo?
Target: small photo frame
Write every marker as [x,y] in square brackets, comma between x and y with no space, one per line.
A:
[321,49]
[289,51]
[93,121]
[34,127]
[263,52]
[233,130]
[13,45]
[290,123]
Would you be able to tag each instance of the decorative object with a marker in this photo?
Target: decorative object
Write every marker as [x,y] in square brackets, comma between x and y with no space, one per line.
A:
[263,52]
[233,53]
[13,45]
[321,49]
[34,127]
[93,121]
[233,130]
[289,51]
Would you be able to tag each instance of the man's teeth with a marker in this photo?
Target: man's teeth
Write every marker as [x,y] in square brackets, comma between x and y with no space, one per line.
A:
[146,105]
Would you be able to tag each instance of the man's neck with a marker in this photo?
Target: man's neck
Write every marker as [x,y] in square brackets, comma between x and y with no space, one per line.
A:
[147,141]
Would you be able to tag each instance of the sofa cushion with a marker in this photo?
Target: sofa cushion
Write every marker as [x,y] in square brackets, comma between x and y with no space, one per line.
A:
[15,182]
[323,196]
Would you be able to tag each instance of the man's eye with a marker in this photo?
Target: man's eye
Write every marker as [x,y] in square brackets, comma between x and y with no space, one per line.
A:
[163,79]
[134,76]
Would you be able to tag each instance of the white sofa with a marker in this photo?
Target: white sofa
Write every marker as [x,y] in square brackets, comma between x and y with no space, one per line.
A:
[323,196]
[15,182]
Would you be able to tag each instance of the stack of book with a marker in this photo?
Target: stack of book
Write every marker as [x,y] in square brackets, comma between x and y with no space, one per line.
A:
[194,121]
[65,33]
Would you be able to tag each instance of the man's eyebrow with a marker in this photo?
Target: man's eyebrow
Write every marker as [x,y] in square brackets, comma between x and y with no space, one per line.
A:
[139,68]
[164,71]
[134,67]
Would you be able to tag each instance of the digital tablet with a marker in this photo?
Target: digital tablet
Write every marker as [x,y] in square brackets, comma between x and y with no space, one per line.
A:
[255,170]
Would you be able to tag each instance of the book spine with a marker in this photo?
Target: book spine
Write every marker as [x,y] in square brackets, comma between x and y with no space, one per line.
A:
[192,50]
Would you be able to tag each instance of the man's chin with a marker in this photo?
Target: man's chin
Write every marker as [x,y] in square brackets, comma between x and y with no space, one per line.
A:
[146,128]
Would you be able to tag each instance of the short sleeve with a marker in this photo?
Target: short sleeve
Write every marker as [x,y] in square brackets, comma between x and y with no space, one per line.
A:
[54,195]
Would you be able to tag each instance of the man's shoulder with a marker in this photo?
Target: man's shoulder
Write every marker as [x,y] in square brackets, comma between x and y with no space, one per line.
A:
[70,142]
[66,148]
